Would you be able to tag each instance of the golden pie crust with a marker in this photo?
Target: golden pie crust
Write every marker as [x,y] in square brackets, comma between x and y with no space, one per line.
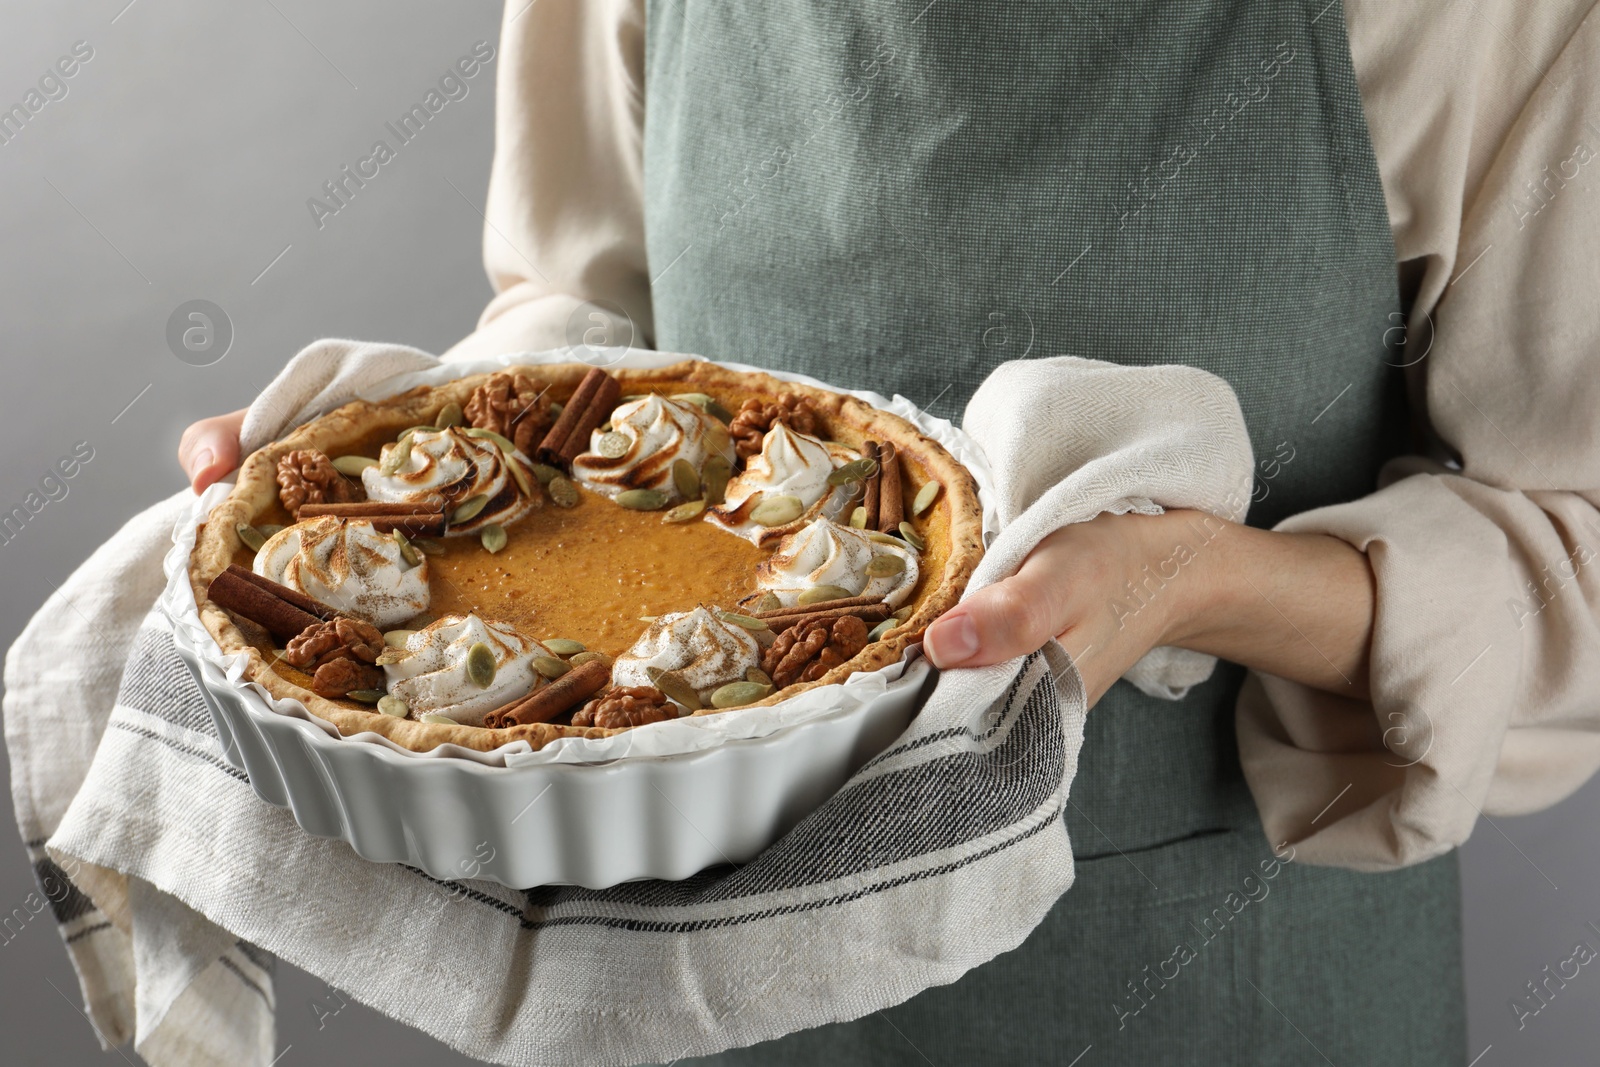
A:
[952,529]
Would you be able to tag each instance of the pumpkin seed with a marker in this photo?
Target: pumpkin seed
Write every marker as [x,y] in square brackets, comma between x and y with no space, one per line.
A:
[686,512]
[395,456]
[757,675]
[714,475]
[925,498]
[675,687]
[818,594]
[884,539]
[685,479]
[449,415]
[556,410]
[885,566]
[914,539]
[392,705]
[469,509]
[718,441]
[489,435]
[855,471]
[480,665]
[882,628]
[562,492]
[904,613]
[492,537]
[642,499]
[397,638]
[271,529]
[391,656]
[366,696]
[408,551]
[735,694]
[544,472]
[858,518]
[776,510]
[745,621]
[435,717]
[613,445]
[562,646]
[352,466]
[550,667]
[252,538]
[518,475]
[428,546]
[585,657]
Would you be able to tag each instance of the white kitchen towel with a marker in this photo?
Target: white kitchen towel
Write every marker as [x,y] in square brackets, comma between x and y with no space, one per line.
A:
[938,855]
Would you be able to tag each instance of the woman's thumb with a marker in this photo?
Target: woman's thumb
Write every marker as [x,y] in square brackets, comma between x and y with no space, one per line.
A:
[1008,619]
[210,448]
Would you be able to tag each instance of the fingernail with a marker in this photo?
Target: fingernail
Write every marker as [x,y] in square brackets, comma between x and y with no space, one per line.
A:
[952,641]
[202,459]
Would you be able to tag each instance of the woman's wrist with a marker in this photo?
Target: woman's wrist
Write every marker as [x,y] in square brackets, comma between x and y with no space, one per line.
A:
[1295,605]
[1183,575]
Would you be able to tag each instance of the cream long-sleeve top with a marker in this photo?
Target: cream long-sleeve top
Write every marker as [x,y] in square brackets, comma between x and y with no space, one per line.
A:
[1485,653]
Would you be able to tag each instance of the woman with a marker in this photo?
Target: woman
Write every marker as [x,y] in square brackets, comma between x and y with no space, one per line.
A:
[903,196]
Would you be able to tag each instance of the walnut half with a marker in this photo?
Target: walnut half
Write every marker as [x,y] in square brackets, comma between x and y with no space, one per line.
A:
[808,650]
[624,707]
[514,406]
[340,655]
[756,417]
[306,476]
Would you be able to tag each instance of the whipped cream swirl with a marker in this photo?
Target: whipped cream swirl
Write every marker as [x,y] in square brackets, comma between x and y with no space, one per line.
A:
[792,464]
[448,467]
[659,430]
[826,553]
[430,674]
[707,652]
[349,566]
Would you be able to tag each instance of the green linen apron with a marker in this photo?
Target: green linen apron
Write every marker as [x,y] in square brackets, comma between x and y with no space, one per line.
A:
[900,196]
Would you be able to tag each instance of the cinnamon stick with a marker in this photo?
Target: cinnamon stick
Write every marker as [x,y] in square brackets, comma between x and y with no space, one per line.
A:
[599,410]
[804,609]
[891,503]
[872,487]
[585,410]
[260,605]
[867,613]
[361,509]
[283,592]
[562,694]
[413,520]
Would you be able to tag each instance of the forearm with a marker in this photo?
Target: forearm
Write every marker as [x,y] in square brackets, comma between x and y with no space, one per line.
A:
[1298,606]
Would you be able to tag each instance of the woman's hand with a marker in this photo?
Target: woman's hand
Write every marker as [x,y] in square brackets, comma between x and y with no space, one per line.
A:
[1295,605]
[210,448]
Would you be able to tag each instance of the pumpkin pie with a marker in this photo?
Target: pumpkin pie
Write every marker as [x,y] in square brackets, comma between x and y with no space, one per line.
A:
[561,551]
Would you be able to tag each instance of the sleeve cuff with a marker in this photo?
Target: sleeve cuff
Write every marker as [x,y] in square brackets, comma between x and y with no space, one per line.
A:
[1399,779]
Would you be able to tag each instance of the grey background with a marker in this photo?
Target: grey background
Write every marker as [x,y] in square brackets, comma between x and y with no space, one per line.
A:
[178,168]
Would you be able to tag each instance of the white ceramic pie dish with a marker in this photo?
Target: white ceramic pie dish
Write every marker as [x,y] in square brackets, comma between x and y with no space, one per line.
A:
[662,801]
[588,824]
